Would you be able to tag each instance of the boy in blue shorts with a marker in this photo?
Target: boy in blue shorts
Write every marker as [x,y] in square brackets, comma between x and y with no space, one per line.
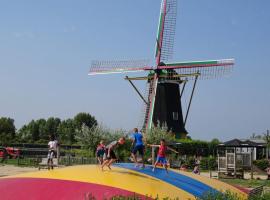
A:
[138,146]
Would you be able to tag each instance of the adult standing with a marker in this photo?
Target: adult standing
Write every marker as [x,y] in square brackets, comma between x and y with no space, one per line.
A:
[138,146]
[52,153]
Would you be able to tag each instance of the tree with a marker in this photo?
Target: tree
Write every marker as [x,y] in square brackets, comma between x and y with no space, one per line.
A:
[66,132]
[254,136]
[51,126]
[213,146]
[86,119]
[29,132]
[7,130]
[41,123]
[39,130]
[157,133]
[90,137]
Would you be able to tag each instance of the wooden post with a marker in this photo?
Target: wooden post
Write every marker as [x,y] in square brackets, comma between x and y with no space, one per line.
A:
[58,154]
[251,159]
[210,170]
[153,155]
[267,140]
[234,162]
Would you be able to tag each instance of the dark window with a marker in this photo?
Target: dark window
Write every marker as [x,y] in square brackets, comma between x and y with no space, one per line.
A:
[175,115]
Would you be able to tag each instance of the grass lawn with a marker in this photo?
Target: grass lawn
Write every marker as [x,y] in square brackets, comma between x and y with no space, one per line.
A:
[247,183]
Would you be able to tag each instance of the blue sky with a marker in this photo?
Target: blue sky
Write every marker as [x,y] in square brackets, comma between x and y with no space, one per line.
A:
[46,48]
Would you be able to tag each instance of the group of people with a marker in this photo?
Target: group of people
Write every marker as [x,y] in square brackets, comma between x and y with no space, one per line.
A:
[106,155]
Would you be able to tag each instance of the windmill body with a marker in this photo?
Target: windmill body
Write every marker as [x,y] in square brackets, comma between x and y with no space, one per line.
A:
[163,99]
[168,108]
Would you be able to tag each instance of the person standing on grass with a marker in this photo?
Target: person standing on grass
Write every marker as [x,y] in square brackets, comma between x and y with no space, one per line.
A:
[161,157]
[100,152]
[196,169]
[109,155]
[138,146]
[268,171]
[52,151]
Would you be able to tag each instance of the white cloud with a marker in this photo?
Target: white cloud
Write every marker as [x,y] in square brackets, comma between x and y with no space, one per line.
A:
[70,29]
[23,34]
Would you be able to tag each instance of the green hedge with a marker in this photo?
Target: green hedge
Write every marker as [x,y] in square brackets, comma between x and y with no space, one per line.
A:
[197,147]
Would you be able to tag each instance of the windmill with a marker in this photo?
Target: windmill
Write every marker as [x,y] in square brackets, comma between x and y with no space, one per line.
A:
[166,81]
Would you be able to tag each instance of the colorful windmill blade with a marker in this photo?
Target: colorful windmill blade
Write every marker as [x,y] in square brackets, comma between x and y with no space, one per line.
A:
[123,66]
[166,30]
[204,69]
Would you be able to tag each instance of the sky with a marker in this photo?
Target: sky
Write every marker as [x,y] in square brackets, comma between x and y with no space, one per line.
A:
[46,49]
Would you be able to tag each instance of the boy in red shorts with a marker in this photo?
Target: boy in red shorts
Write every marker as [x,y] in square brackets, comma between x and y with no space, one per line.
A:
[161,157]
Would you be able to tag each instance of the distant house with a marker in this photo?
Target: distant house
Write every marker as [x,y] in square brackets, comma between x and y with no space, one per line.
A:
[246,146]
[236,155]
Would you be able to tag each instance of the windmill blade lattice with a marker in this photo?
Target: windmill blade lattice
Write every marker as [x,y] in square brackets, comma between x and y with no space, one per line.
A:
[121,66]
[167,27]
[203,69]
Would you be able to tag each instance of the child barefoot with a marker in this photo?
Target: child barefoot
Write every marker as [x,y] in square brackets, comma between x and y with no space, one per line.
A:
[109,156]
[161,157]
[138,146]
[100,152]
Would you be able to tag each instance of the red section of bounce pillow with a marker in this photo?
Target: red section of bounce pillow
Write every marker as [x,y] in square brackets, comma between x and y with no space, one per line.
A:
[54,189]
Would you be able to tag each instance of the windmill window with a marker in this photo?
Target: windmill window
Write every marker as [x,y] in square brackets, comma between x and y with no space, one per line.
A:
[175,115]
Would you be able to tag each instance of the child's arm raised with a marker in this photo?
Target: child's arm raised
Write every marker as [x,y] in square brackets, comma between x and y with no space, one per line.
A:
[172,150]
[153,145]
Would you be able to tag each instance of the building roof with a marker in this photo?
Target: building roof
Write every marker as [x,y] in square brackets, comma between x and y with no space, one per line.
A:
[240,143]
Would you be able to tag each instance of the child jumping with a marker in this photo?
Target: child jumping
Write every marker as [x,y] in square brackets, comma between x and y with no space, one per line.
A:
[138,146]
[161,157]
[109,156]
[100,152]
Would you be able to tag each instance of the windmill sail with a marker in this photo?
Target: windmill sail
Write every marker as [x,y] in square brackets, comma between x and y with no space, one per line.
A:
[205,69]
[166,30]
[122,66]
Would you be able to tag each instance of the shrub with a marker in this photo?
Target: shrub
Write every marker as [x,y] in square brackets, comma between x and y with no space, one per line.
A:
[190,162]
[261,164]
[208,163]
[157,133]
[220,196]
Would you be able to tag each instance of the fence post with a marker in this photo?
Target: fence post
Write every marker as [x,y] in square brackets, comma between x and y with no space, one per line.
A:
[153,155]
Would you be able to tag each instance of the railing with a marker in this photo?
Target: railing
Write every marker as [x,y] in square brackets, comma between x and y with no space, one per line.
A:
[69,160]
[65,160]
[254,193]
